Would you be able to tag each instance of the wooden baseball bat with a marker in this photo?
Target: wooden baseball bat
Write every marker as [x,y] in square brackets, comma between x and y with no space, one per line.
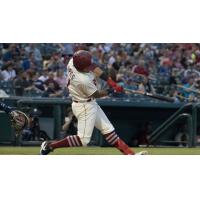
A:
[155,96]
[98,72]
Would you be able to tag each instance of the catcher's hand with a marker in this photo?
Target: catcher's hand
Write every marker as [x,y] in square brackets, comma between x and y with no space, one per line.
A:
[19,120]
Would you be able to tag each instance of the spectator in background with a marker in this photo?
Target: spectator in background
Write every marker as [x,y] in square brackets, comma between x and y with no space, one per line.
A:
[142,73]
[1,77]
[29,62]
[130,84]
[173,77]
[173,93]
[8,52]
[1,65]
[140,68]
[60,78]
[146,86]
[35,86]
[36,54]
[197,84]
[3,94]
[46,61]
[1,61]
[20,83]
[67,49]
[51,80]
[8,73]
[44,76]
[112,72]
[39,84]
[24,61]
[51,91]
[168,64]
[188,89]
[56,62]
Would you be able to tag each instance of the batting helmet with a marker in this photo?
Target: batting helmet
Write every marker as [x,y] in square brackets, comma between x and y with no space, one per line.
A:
[82,59]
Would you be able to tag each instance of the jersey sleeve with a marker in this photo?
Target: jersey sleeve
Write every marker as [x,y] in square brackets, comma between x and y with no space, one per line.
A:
[89,88]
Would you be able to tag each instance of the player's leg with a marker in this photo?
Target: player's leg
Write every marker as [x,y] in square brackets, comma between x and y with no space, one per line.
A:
[104,125]
[69,141]
[86,120]
[86,115]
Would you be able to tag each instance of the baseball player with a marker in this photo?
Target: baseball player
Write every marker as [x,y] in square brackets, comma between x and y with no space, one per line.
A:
[83,89]
[19,120]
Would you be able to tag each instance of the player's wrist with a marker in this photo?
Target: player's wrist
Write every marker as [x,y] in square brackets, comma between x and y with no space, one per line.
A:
[104,76]
[103,93]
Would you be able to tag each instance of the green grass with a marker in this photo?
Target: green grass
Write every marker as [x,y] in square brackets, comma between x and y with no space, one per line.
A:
[97,151]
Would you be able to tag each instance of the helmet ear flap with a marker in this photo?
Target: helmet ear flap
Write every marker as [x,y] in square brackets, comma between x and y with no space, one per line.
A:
[82,59]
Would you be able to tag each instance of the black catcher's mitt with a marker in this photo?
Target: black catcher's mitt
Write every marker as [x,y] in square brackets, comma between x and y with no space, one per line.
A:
[19,120]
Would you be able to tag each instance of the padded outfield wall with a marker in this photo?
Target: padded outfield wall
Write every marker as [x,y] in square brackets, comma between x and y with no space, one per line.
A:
[129,117]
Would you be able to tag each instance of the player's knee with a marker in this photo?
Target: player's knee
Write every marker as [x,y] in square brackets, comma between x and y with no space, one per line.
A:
[85,141]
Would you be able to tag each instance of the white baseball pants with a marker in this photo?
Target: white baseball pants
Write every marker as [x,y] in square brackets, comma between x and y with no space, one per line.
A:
[90,115]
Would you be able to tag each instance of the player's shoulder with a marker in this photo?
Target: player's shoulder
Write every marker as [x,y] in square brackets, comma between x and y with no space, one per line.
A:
[70,63]
[83,78]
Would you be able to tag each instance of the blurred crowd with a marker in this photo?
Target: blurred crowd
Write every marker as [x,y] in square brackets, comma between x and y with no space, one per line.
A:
[40,69]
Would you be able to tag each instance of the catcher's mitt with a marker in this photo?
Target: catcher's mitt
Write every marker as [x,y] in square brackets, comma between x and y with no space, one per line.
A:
[19,120]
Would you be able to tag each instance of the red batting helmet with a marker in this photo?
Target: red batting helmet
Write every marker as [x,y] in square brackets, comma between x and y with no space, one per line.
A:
[82,59]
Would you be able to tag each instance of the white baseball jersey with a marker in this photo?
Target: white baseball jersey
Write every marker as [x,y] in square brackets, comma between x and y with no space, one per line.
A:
[80,85]
[89,114]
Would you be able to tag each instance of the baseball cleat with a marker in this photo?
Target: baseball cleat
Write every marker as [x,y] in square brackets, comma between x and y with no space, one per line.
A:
[142,153]
[45,148]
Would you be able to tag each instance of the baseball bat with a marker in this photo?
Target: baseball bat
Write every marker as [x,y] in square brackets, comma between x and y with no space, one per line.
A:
[148,94]
[98,72]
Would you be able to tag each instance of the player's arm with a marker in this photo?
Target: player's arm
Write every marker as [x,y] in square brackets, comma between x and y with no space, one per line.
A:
[99,72]
[99,94]
[104,76]
[91,91]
